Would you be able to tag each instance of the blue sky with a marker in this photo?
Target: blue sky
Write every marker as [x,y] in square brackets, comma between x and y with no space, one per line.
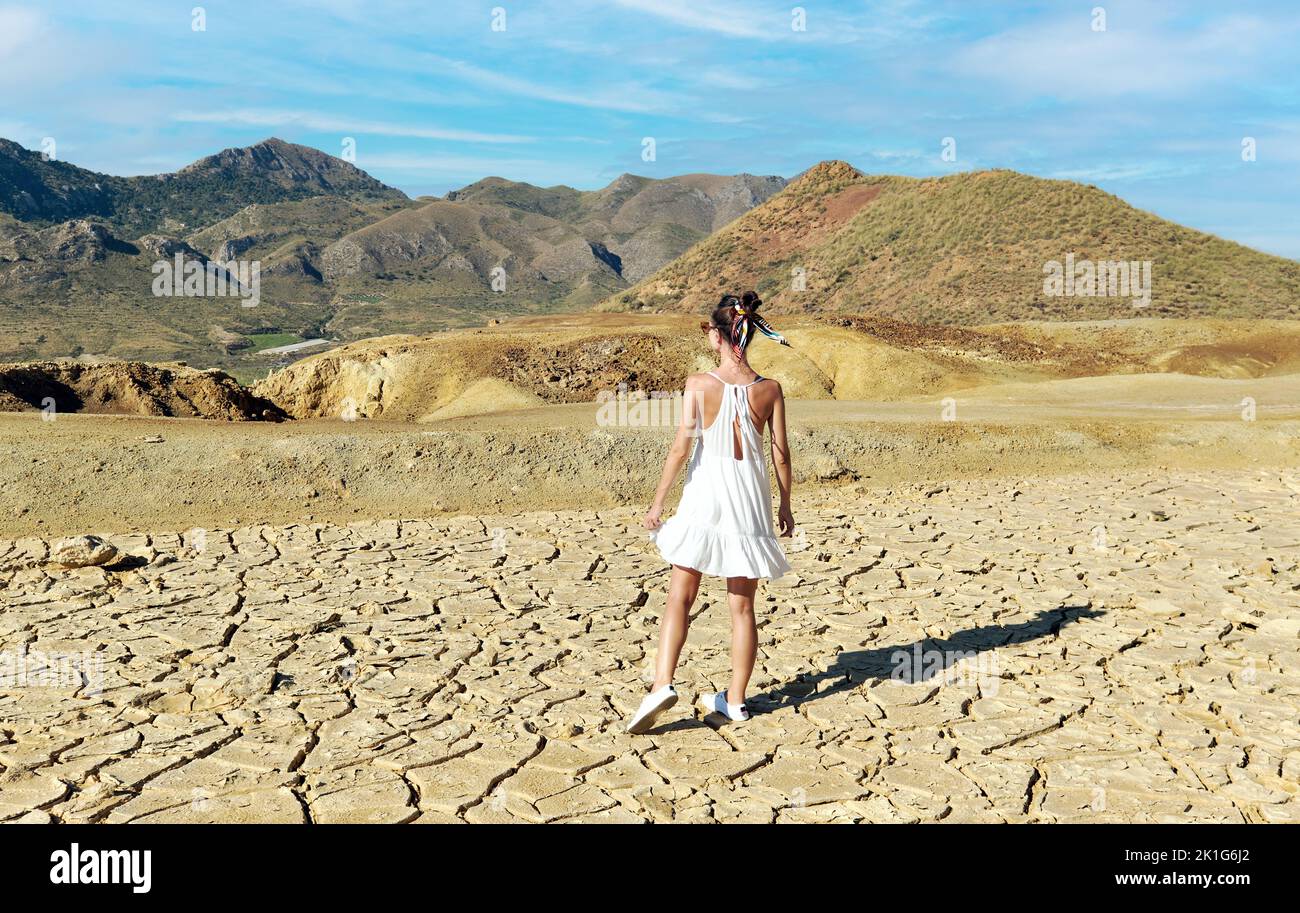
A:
[1154,108]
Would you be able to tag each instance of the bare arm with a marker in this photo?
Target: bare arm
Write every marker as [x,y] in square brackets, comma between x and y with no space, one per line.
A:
[678,452]
[781,463]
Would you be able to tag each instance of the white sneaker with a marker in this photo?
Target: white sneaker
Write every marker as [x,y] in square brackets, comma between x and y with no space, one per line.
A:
[717,703]
[655,703]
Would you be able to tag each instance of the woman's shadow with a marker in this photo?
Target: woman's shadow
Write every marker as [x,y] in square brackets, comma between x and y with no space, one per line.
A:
[917,661]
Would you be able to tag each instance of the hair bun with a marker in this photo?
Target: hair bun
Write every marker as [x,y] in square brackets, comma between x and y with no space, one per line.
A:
[751,301]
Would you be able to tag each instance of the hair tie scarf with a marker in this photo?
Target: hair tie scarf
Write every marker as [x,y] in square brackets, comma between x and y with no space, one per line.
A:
[740,328]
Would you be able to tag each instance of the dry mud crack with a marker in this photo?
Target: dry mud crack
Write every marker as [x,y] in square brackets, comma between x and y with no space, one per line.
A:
[1097,648]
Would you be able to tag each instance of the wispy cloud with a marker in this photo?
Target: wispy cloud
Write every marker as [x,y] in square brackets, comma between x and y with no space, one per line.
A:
[733,20]
[1131,171]
[454,165]
[816,24]
[626,97]
[1147,52]
[726,76]
[37,55]
[252,117]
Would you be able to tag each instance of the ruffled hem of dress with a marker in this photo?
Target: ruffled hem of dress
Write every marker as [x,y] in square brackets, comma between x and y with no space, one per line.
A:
[721,554]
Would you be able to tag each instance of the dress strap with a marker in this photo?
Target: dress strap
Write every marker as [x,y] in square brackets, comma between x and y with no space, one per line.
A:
[714,376]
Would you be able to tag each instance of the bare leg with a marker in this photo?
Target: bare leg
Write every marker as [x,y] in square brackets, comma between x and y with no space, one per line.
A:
[682,590]
[744,635]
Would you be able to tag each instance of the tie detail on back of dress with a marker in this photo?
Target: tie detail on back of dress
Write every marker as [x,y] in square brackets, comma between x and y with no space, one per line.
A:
[723,525]
[733,433]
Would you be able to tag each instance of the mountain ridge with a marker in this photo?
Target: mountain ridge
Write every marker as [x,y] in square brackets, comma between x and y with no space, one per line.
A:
[341,253]
[345,257]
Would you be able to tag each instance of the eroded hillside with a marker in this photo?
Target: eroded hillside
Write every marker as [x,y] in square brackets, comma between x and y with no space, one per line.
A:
[130,388]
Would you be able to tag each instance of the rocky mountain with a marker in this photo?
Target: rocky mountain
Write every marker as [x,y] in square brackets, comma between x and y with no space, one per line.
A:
[341,254]
[969,248]
[33,189]
[76,289]
[641,221]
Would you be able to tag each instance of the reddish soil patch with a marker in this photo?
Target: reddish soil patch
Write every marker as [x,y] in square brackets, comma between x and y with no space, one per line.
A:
[846,204]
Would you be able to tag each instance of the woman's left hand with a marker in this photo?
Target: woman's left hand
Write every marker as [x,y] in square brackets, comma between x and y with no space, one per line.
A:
[785,517]
[652,521]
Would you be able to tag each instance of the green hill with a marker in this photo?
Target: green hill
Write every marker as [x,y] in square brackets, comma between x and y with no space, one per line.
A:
[968,248]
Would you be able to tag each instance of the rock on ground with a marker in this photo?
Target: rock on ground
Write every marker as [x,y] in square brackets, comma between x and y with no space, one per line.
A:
[82,551]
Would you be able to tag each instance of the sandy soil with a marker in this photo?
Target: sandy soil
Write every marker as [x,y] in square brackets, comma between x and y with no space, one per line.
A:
[520,364]
[85,473]
[1095,648]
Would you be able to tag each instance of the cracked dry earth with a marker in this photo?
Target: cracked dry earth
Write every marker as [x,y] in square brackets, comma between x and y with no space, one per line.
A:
[1130,653]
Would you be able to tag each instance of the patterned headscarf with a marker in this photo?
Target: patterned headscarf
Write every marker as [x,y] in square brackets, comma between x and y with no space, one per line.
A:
[740,328]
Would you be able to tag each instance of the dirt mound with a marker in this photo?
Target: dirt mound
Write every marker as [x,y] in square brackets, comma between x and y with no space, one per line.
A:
[1205,348]
[576,358]
[130,388]
[459,373]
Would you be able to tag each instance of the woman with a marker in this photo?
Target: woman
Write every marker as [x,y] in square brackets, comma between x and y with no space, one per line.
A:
[723,525]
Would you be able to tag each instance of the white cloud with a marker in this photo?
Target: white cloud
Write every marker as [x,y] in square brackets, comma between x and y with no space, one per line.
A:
[18,28]
[452,165]
[1131,171]
[730,76]
[630,98]
[21,132]
[253,117]
[884,21]
[725,19]
[30,51]
[1142,52]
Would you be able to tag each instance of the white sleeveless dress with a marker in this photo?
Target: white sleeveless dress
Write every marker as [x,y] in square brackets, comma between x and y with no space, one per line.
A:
[723,525]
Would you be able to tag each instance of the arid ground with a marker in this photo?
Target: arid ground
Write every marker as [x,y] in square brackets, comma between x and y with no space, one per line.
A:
[1043,572]
[1078,600]
[1108,647]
